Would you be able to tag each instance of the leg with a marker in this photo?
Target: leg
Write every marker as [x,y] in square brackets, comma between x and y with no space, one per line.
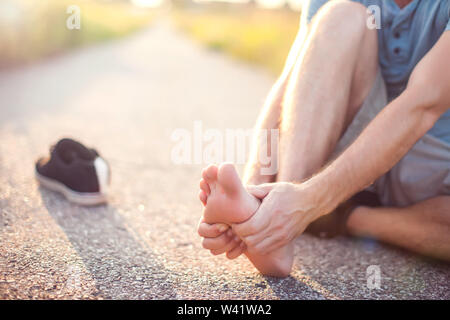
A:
[423,227]
[322,40]
[269,117]
[319,105]
[331,78]
[236,204]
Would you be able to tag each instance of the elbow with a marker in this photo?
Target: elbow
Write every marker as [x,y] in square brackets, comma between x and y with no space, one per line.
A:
[429,95]
[428,100]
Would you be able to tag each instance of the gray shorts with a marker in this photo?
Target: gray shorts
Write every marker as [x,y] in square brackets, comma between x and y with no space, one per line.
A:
[424,172]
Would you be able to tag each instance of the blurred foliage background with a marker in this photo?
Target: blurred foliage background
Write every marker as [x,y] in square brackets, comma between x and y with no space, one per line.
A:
[256,35]
[31,29]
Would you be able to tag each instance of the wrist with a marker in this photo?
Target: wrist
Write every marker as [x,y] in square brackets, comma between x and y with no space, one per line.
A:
[324,196]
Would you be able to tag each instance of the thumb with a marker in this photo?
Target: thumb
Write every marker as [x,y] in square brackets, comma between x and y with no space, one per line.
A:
[260,191]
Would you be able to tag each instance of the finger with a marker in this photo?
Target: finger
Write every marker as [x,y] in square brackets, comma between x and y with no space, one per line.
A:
[255,239]
[260,191]
[258,222]
[216,243]
[202,196]
[228,247]
[237,251]
[265,245]
[211,230]
[205,187]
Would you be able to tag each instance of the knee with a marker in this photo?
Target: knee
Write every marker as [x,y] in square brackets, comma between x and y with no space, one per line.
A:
[342,17]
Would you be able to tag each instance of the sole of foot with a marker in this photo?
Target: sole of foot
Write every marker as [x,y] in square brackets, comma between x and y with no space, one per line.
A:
[227,200]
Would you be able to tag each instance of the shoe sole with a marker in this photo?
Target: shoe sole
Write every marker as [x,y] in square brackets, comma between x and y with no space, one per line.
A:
[81,198]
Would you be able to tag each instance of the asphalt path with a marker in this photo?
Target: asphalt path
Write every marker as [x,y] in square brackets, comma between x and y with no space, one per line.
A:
[126,98]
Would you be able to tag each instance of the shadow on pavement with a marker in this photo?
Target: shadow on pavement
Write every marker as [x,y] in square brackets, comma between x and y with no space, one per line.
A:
[121,267]
[309,289]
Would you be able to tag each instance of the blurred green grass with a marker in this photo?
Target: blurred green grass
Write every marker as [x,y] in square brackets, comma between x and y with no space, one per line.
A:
[255,35]
[34,29]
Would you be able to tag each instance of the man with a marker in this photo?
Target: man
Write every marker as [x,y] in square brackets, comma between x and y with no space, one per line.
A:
[357,109]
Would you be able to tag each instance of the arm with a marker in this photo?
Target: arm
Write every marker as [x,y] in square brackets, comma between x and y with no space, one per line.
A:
[393,132]
[288,208]
[219,242]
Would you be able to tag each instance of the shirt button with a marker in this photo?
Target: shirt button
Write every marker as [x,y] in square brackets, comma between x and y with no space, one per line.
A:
[397,50]
[397,35]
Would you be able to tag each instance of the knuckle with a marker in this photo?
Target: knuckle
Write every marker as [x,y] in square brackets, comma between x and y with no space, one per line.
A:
[282,241]
[285,230]
[277,212]
[252,228]
[223,241]
[200,231]
[231,255]
[258,249]
[251,242]
[229,247]
[279,226]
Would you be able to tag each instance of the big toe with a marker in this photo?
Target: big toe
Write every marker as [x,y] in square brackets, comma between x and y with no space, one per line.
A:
[210,174]
[228,179]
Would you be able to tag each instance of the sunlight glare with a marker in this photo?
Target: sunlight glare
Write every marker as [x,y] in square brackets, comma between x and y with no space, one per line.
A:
[147,3]
[271,4]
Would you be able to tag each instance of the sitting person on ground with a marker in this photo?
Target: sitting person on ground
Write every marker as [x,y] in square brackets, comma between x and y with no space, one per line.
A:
[358,108]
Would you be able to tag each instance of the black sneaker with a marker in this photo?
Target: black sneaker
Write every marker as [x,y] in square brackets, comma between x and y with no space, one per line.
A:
[77,172]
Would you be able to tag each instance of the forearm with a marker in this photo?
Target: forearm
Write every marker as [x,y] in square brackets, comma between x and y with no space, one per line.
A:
[379,147]
[392,133]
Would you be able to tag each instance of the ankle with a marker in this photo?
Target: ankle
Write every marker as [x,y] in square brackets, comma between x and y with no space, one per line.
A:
[357,220]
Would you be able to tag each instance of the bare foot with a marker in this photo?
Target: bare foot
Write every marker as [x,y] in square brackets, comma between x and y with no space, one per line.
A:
[227,201]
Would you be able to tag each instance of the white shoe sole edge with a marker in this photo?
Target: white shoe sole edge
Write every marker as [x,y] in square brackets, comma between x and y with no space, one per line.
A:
[81,198]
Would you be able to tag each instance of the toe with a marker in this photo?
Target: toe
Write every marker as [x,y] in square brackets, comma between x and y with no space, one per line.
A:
[228,178]
[202,196]
[210,174]
[205,187]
